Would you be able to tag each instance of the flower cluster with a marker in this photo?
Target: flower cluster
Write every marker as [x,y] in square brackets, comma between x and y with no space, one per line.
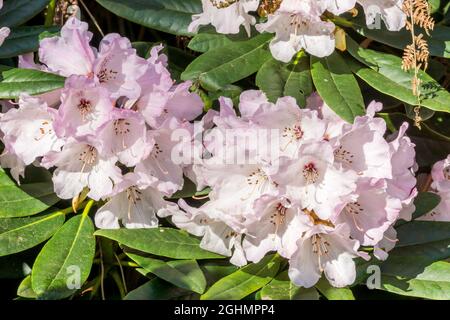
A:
[298,24]
[314,188]
[107,133]
[440,185]
[300,182]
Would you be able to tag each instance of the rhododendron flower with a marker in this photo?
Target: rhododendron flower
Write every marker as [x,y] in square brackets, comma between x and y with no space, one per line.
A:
[371,214]
[206,222]
[298,25]
[313,180]
[276,226]
[133,207]
[225,15]
[116,66]
[389,10]
[80,164]
[125,136]
[85,107]
[158,169]
[324,249]
[441,175]
[28,130]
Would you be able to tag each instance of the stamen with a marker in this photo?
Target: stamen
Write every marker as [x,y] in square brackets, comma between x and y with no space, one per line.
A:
[310,173]
[85,107]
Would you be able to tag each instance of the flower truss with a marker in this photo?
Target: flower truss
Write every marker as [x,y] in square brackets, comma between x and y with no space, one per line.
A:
[301,182]
[297,24]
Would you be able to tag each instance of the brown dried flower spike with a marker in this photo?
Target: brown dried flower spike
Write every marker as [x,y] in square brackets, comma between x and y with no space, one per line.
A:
[416,54]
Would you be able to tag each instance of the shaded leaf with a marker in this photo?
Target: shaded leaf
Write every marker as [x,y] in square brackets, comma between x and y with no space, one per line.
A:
[185,274]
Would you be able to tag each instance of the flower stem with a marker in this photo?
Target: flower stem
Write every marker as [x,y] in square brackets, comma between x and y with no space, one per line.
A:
[50,13]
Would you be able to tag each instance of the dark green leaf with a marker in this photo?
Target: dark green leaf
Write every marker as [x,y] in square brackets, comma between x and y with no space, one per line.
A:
[19,234]
[26,200]
[337,86]
[65,260]
[419,232]
[166,242]
[217,68]
[17,81]
[23,40]
[438,42]
[245,281]
[185,274]
[386,75]
[16,12]
[279,79]
[155,289]
[172,16]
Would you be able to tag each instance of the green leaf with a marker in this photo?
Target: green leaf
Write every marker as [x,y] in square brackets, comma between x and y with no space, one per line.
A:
[25,290]
[189,190]
[438,41]
[19,234]
[337,86]
[409,261]
[216,270]
[217,68]
[432,283]
[278,79]
[425,202]
[281,288]
[65,259]
[172,16]
[166,242]
[245,281]
[23,40]
[332,293]
[17,81]
[26,200]
[16,12]
[185,274]
[386,75]
[419,232]
[205,41]
[156,289]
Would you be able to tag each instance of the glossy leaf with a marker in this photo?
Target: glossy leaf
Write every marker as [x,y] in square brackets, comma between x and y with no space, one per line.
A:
[337,86]
[156,289]
[17,12]
[17,81]
[19,234]
[438,41]
[281,288]
[166,242]
[66,258]
[432,283]
[419,232]
[217,68]
[279,79]
[23,40]
[386,75]
[245,281]
[172,16]
[25,290]
[332,293]
[185,274]
[26,200]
